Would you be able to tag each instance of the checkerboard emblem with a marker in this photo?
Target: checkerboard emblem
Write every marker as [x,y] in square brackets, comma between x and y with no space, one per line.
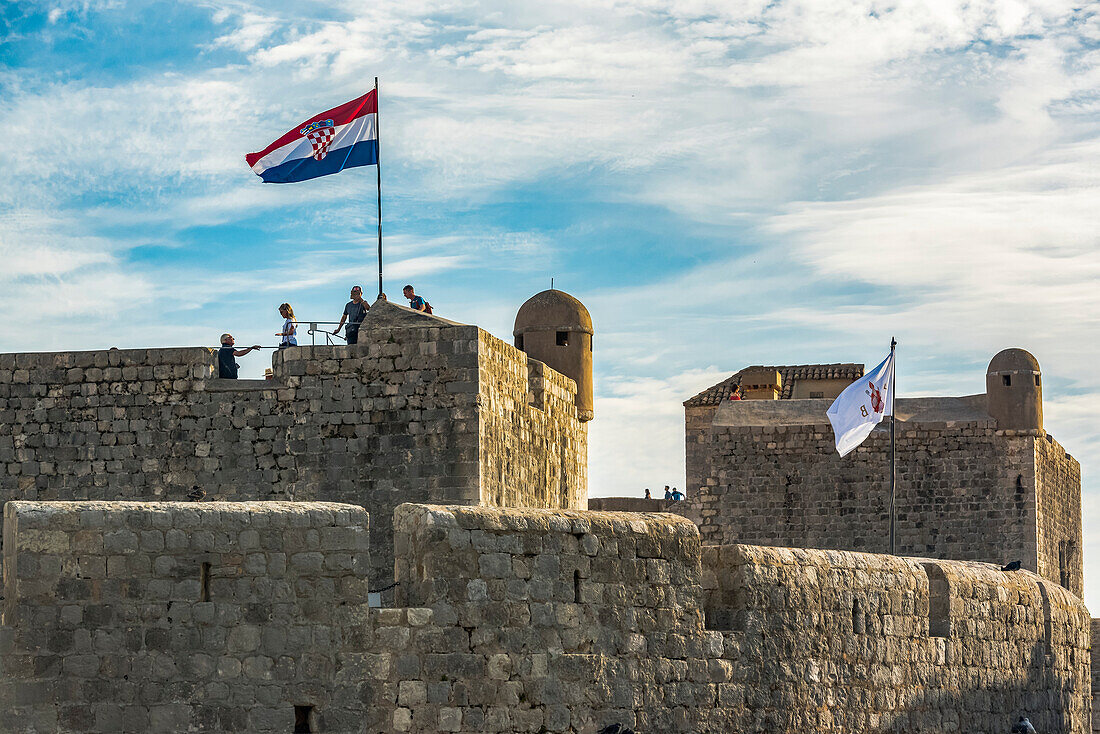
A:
[320,135]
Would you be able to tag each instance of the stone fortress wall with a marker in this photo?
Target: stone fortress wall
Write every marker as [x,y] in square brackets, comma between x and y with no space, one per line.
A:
[767,472]
[241,617]
[159,617]
[423,409]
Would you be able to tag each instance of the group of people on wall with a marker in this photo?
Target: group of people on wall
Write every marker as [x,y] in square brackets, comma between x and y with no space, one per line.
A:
[670,494]
[354,313]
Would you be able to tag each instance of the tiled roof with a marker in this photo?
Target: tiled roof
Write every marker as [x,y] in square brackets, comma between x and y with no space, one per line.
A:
[715,394]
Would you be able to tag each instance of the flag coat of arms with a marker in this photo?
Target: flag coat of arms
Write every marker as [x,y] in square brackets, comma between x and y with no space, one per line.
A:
[862,406]
[343,137]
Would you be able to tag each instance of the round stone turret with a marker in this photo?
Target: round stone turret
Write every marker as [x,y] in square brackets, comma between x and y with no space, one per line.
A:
[1014,389]
[556,329]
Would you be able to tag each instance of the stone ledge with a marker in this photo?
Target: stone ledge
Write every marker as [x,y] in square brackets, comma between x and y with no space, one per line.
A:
[218,384]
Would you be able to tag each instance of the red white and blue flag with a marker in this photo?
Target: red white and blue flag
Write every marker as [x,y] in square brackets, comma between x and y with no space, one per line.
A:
[343,137]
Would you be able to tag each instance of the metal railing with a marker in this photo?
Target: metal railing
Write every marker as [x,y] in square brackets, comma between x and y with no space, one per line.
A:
[330,338]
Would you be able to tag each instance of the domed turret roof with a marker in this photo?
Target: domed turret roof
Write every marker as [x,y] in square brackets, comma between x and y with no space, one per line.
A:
[1013,360]
[552,310]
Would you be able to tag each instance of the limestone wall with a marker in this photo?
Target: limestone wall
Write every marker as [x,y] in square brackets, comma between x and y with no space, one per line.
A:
[1095,628]
[964,491]
[697,443]
[869,643]
[138,617]
[1058,491]
[511,621]
[533,450]
[427,411]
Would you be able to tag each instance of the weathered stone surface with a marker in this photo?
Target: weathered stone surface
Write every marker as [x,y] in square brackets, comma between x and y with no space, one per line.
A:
[598,618]
[422,409]
[187,639]
[965,490]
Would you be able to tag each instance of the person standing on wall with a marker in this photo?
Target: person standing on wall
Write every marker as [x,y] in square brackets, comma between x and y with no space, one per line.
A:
[227,366]
[290,327]
[416,303]
[354,313]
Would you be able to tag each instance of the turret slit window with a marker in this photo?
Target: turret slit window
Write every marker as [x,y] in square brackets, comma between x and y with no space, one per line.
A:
[939,602]
[1007,379]
[563,338]
[1036,380]
[303,719]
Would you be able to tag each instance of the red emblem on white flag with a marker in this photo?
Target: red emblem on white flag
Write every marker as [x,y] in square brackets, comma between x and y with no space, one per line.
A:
[877,403]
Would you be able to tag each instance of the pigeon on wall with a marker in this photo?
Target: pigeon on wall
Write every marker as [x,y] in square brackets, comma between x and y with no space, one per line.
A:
[1014,566]
[1023,726]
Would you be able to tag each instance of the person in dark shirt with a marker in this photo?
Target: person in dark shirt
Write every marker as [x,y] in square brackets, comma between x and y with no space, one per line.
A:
[677,495]
[356,311]
[668,493]
[227,366]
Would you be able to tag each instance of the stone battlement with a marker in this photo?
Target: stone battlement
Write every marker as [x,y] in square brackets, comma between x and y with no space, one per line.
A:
[240,617]
[422,409]
[767,472]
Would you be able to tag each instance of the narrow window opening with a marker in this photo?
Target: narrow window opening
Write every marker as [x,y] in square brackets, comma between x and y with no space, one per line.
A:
[1036,380]
[204,582]
[519,341]
[1048,625]
[303,717]
[563,338]
[939,602]
[1007,379]
[577,587]
[859,622]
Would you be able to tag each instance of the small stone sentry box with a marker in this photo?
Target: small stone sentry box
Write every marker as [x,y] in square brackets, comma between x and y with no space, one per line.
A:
[556,329]
[1013,386]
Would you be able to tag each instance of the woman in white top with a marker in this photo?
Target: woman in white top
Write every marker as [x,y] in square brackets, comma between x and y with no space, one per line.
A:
[290,327]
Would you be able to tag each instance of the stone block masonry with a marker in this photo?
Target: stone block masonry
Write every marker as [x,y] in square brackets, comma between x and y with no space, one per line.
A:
[511,620]
[138,617]
[965,490]
[422,409]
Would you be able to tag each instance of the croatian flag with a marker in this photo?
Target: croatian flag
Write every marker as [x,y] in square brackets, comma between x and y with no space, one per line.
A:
[343,137]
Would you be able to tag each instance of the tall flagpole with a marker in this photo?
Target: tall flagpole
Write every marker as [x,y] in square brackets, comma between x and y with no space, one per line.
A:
[378,166]
[893,450]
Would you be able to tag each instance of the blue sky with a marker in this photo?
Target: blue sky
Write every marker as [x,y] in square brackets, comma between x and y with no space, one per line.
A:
[722,184]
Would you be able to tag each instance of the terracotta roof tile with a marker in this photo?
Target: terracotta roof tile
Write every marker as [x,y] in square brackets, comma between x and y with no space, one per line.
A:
[715,394]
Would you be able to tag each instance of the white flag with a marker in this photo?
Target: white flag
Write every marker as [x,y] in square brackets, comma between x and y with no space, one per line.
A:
[862,405]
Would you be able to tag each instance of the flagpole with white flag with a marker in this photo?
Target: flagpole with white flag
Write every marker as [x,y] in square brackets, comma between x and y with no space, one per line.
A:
[861,407]
[893,452]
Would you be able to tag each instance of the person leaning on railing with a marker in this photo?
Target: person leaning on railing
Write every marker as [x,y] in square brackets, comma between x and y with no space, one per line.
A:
[227,365]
